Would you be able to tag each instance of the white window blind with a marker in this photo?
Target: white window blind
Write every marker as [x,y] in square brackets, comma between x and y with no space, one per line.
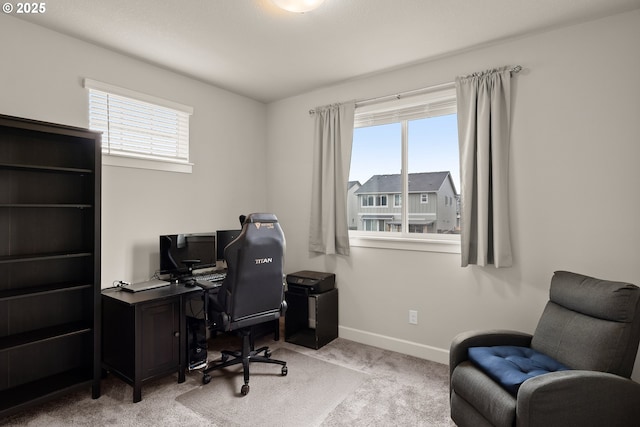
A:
[138,125]
[411,108]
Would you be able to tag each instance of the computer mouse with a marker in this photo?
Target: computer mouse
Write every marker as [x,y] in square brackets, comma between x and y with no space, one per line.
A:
[190,283]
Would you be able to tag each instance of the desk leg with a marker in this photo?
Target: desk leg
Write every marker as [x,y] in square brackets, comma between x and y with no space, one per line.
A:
[137,359]
[182,348]
[137,391]
[182,341]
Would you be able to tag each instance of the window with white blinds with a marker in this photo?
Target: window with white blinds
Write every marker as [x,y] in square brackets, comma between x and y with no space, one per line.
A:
[418,107]
[137,125]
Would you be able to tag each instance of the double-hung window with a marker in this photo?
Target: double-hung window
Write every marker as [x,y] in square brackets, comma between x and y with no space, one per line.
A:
[139,130]
[405,153]
[373,201]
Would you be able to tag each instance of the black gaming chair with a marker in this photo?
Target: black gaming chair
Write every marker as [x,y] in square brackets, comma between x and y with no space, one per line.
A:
[252,293]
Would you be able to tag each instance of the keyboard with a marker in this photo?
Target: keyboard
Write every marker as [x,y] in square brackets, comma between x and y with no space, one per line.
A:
[217,276]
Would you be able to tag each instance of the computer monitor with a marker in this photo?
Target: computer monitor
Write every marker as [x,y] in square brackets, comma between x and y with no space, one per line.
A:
[225,237]
[181,254]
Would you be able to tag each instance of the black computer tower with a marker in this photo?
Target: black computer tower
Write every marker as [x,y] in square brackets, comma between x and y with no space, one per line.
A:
[196,334]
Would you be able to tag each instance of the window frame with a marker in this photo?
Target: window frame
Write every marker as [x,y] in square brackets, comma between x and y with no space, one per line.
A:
[430,104]
[122,158]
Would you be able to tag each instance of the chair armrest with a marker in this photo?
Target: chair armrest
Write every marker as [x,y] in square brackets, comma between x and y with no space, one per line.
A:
[283,308]
[578,398]
[458,351]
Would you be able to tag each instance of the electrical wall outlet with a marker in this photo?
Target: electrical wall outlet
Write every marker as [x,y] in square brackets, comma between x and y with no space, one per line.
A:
[413,317]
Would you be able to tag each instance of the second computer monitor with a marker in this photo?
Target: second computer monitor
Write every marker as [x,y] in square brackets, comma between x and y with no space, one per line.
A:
[223,238]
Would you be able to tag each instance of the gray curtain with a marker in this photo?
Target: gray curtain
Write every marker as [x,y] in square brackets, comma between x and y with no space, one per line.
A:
[483,131]
[329,233]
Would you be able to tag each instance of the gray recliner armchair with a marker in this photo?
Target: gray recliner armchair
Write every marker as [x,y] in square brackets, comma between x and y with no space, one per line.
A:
[573,371]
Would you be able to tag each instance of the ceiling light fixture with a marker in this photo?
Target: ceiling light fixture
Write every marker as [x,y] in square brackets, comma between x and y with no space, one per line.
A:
[299,6]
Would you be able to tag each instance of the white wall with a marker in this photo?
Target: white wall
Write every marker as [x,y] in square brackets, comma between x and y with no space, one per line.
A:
[41,78]
[573,168]
[575,148]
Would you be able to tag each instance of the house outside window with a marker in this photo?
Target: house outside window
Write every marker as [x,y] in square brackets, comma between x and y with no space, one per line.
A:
[406,150]
[424,217]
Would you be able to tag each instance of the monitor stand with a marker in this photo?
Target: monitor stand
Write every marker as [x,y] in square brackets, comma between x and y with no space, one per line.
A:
[190,263]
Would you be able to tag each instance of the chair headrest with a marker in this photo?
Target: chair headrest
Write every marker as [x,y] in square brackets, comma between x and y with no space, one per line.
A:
[605,299]
[260,217]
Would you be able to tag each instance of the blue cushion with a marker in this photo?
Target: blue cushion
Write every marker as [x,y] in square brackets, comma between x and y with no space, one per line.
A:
[510,366]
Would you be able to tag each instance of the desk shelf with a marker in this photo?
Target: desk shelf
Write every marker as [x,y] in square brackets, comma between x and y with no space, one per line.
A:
[42,257]
[39,168]
[49,261]
[42,290]
[43,334]
[43,389]
[45,205]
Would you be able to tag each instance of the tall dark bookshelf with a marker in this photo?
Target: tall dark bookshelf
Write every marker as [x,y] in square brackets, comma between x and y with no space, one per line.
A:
[49,262]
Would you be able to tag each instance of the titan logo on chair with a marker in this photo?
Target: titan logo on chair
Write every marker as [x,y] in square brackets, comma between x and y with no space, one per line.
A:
[264,260]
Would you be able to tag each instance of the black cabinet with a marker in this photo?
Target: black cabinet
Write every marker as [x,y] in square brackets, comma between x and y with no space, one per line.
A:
[311,320]
[144,333]
[160,337]
[49,261]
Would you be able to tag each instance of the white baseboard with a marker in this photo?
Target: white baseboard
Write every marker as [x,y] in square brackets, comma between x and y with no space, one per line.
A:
[394,344]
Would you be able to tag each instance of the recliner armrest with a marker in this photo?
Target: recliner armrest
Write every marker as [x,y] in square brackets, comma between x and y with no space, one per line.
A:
[578,398]
[458,351]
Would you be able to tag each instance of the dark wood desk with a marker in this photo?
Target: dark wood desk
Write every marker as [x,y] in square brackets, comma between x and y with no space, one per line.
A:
[144,334]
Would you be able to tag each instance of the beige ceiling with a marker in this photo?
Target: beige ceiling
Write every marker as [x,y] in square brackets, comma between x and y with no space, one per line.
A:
[252,48]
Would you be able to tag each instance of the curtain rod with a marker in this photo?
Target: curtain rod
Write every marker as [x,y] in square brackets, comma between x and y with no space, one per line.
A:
[414,92]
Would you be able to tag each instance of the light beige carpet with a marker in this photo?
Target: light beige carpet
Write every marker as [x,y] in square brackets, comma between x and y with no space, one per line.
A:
[312,389]
[395,390]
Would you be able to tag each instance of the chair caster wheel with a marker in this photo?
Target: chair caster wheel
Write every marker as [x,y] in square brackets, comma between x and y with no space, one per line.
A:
[206,379]
[267,354]
[285,371]
[245,389]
